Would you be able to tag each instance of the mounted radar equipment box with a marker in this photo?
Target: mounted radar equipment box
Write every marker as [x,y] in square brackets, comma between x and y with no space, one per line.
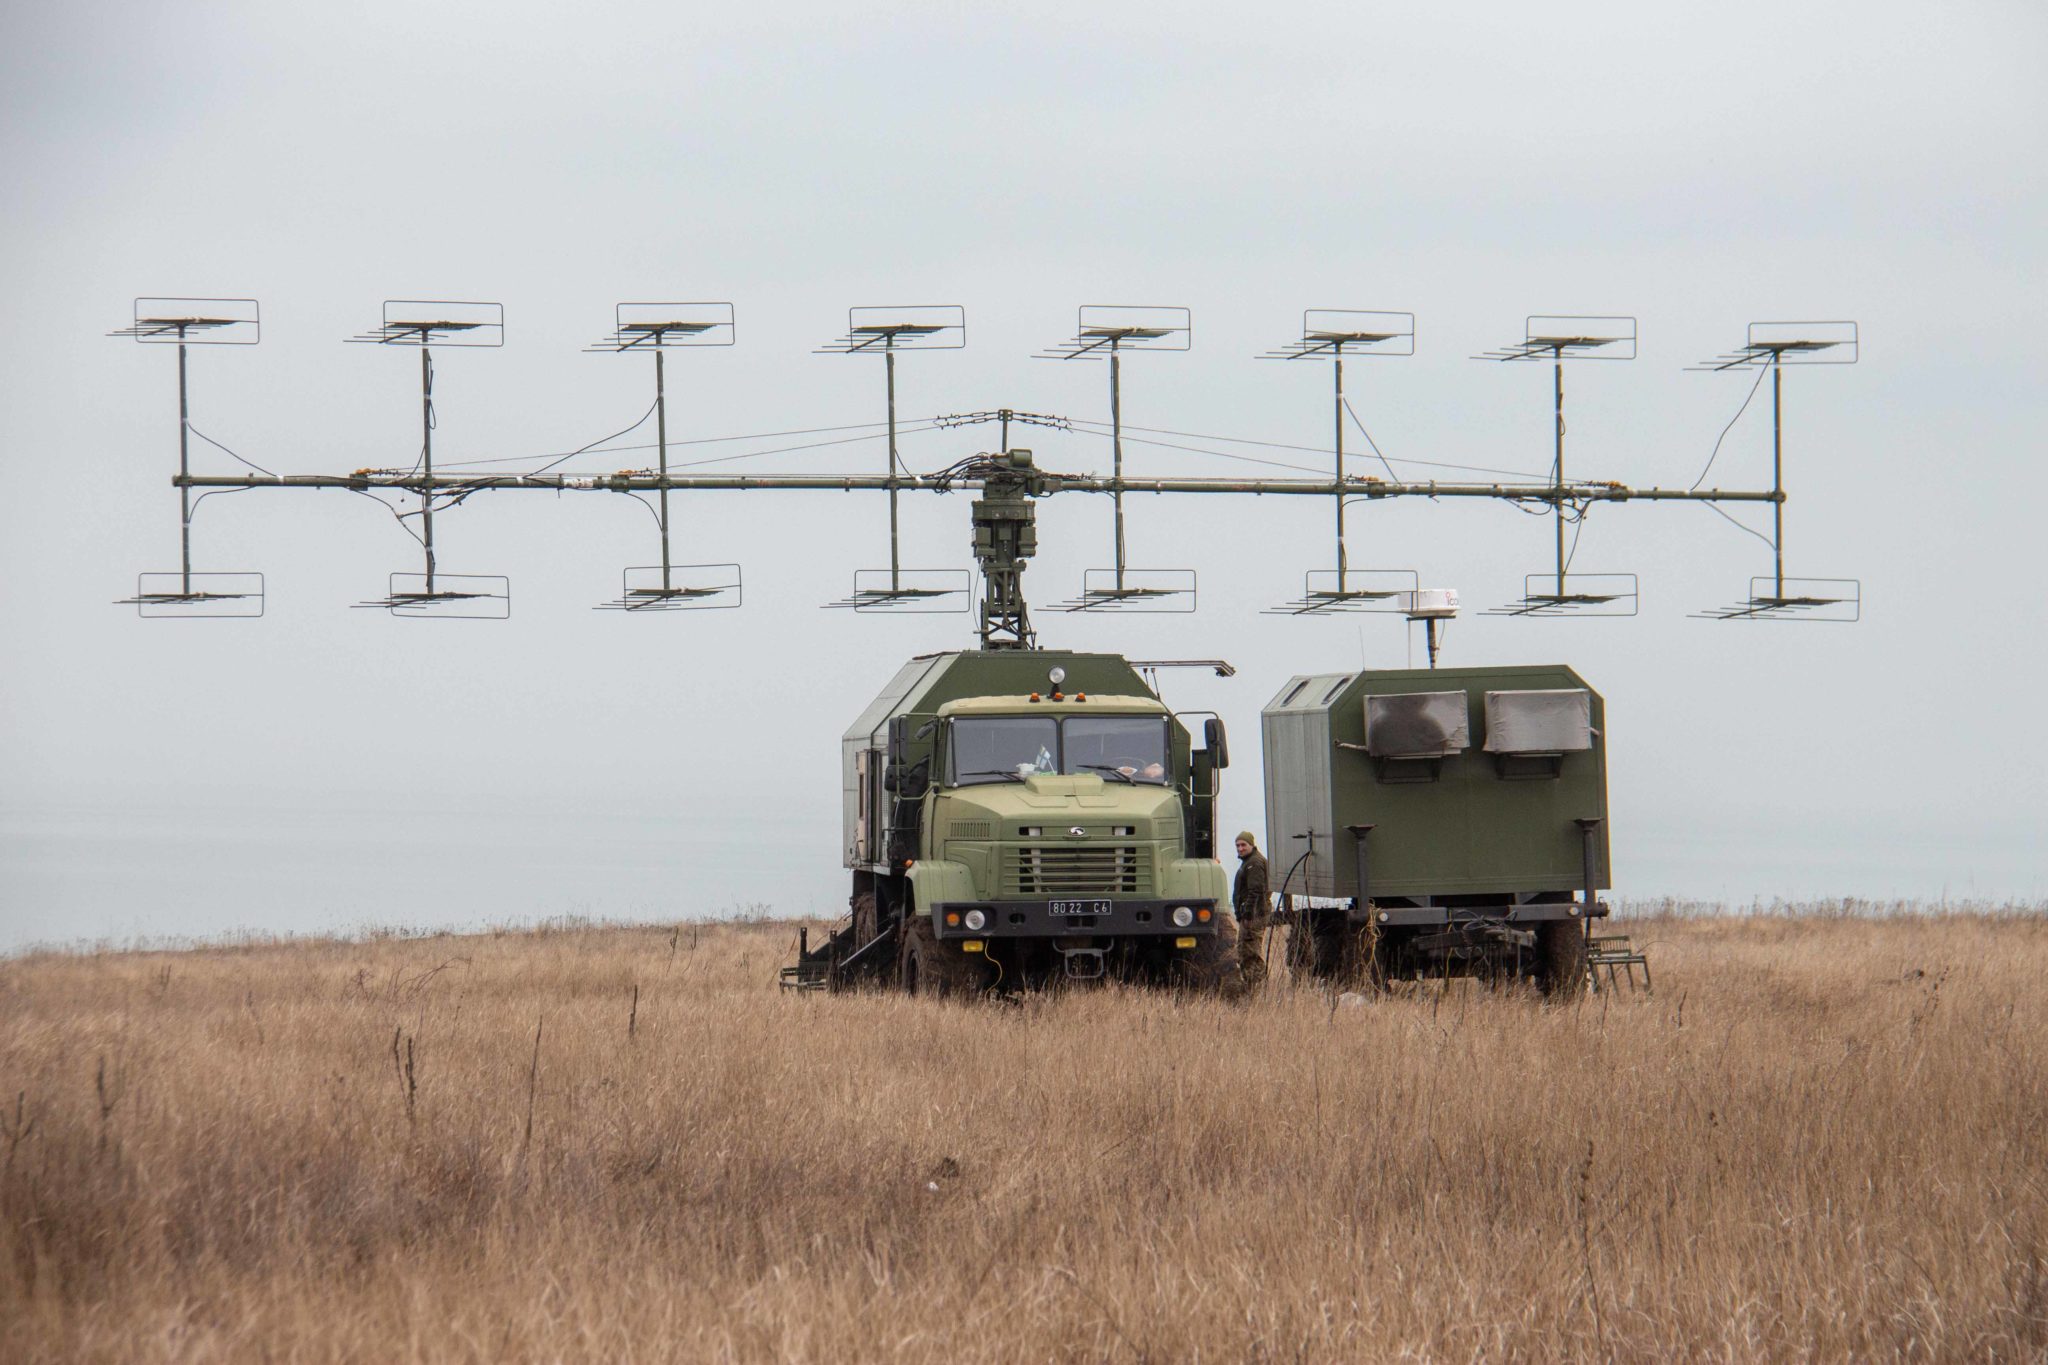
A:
[1015,817]
[1440,822]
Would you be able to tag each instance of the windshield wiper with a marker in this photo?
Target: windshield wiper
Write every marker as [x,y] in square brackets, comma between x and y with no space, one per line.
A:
[1010,773]
[1107,768]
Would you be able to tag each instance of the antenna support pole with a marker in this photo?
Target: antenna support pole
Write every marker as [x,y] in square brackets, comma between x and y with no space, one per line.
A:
[1557,468]
[184,471]
[1116,441]
[889,367]
[1337,414]
[427,455]
[1778,468]
[1005,535]
[661,441]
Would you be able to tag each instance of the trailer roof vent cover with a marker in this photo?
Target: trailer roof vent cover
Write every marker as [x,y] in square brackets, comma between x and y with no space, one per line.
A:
[1550,722]
[1416,725]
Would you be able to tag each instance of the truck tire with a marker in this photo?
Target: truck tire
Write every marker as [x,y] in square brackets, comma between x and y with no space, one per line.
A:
[1214,966]
[928,967]
[1561,958]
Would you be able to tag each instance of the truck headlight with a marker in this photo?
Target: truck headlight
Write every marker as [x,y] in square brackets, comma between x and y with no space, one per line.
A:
[1182,917]
[976,920]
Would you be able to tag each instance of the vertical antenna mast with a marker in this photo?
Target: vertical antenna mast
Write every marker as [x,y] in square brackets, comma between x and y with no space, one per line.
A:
[427,323]
[884,331]
[660,328]
[183,323]
[1774,345]
[1331,334]
[1107,331]
[1558,338]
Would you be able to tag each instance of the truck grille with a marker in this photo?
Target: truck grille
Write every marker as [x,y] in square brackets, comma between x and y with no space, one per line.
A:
[1120,869]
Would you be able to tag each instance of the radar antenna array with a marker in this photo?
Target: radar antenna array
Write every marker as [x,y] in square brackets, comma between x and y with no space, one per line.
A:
[1007,483]
[1771,346]
[1557,338]
[1106,332]
[185,592]
[659,328]
[884,331]
[425,324]
[1332,334]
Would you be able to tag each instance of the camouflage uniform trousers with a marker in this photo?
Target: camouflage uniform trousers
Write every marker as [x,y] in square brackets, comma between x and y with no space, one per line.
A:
[1251,945]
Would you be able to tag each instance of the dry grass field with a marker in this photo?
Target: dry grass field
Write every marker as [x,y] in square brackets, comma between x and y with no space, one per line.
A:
[1823,1136]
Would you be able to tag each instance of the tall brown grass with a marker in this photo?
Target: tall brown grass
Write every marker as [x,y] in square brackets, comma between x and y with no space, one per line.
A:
[1820,1137]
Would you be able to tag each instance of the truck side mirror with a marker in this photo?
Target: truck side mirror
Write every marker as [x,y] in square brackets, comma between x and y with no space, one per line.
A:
[1217,743]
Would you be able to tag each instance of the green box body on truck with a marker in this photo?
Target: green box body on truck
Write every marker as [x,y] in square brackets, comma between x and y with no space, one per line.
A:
[1439,821]
[1006,827]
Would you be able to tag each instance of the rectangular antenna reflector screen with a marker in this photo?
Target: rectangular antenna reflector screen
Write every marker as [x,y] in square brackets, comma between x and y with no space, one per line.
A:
[1839,600]
[1326,591]
[1135,590]
[1361,331]
[197,322]
[1133,328]
[1549,722]
[452,597]
[917,326]
[1805,343]
[1417,725]
[1580,594]
[1581,338]
[440,322]
[909,591]
[644,326]
[183,596]
[681,587]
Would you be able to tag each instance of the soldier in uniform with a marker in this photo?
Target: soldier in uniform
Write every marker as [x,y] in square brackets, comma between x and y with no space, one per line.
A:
[1253,907]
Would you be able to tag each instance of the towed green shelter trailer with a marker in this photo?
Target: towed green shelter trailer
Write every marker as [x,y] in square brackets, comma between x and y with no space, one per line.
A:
[1439,822]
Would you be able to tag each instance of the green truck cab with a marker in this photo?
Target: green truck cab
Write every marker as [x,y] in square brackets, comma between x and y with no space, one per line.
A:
[1014,818]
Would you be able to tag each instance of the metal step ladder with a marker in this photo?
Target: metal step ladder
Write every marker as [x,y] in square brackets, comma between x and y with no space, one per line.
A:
[837,959]
[1614,954]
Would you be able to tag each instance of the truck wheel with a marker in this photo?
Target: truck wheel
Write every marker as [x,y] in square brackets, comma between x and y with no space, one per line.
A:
[1214,965]
[1561,958]
[928,967]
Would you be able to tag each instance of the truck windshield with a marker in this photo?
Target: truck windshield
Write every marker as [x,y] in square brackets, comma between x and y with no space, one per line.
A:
[1133,747]
[1004,748]
[1010,748]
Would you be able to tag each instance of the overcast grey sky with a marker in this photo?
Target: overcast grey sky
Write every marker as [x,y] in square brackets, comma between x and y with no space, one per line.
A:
[1696,166]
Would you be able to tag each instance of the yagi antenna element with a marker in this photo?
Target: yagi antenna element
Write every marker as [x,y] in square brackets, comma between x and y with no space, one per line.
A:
[660,328]
[1773,346]
[426,324]
[884,331]
[1106,332]
[1332,334]
[1557,338]
[186,594]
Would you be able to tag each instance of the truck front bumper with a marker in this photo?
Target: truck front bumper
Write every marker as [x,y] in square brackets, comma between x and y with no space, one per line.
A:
[1095,918]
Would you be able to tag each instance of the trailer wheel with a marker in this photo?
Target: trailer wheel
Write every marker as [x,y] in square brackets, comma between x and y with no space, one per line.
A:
[1561,958]
[1323,946]
[928,967]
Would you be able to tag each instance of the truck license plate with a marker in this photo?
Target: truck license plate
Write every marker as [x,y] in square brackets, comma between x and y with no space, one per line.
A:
[1079,907]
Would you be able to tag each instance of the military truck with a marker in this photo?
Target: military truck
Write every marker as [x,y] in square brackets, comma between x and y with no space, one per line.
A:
[1016,818]
[1439,822]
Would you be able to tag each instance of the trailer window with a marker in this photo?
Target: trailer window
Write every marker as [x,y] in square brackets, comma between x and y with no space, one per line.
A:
[1003,748]
[1133,746]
